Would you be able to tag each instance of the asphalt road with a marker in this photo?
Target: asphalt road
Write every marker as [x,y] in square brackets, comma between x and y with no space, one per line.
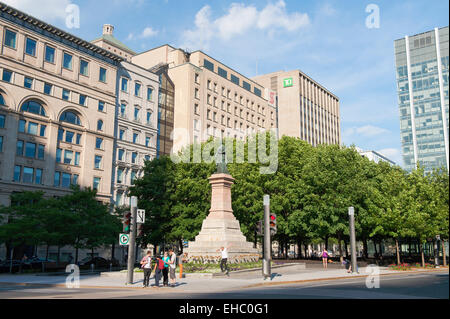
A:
[413,286]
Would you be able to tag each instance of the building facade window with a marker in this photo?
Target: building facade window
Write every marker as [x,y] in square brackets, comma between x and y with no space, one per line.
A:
[101,106]
[98,162]
[28,83]
[99,143]
[67,61]
[30,47]
[17,173]
[7,76]
[48,88]
[71,118]
[2,121]
[84,67]
[49,54]
[100,125]
[65,95]
[96,183]
[137,89]
[149,94]
[1,143]
[124,85]
[102,75]
[33,107]
[10,39]
[83,100]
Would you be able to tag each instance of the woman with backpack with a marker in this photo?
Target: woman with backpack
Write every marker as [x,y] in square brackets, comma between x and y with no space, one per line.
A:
[166,260]
[158,269]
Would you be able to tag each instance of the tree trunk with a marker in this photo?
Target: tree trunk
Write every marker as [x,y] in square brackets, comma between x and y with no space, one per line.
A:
[113,251]
[76,255]
[444,254]
[365,252]
[58,256]
[341,257]
[422,254]
[376,251]
[326,243]
[398,251]
[380,244]
[46,253]
[306,251]
[346,248]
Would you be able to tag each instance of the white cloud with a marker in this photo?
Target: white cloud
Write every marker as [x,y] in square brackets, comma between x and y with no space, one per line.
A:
[366,131]
[148,32]
[239,20]
[47,10]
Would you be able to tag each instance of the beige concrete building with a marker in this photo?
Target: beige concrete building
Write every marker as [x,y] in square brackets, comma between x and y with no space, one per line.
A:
[211,99]
[136,121]
[57,109]
[306,109]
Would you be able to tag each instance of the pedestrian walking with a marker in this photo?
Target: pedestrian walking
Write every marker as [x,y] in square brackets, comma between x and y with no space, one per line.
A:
[158,269]
[325,256]
[224,260]
[172,268]
[166,260]
[146,265]
[182,260]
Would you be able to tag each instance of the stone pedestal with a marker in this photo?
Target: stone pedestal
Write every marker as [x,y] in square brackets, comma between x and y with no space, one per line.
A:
[221,228]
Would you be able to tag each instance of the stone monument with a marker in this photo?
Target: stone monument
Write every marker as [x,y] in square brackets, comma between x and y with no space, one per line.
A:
[221,228]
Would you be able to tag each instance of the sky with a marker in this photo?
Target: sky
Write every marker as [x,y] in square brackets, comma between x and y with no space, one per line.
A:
[328,40]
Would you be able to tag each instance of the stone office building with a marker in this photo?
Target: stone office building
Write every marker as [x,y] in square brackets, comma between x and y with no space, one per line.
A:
[136,120]
[57,103]
[211,99]
[306,109]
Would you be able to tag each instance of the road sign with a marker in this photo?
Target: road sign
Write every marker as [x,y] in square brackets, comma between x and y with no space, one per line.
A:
[140,216]
[124,239]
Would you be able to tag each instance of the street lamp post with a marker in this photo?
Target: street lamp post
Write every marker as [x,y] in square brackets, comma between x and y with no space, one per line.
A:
[132,243]
[351,213]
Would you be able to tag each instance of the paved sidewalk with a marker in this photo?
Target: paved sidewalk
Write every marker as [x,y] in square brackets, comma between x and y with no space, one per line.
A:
[211,285]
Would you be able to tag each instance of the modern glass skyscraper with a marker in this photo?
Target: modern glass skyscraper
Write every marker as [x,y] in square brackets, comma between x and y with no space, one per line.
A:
[422,64]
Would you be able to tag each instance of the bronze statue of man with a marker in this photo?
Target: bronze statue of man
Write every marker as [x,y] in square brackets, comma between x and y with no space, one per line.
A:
[221,160]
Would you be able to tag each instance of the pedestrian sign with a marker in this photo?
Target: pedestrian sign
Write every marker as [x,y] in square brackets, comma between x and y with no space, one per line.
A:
[124,239]
[140,216]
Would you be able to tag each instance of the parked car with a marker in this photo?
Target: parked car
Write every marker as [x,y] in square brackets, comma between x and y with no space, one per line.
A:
[36,262]
[98,262]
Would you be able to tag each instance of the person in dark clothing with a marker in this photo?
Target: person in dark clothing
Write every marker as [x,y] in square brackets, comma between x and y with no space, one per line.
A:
[146,264]
[158,269]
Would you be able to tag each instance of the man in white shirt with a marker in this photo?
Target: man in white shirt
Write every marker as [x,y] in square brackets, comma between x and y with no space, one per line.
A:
[223,262]
[172,268]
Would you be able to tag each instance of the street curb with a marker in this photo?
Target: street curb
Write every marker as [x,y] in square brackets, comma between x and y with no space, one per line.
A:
[244,287]
[339,278]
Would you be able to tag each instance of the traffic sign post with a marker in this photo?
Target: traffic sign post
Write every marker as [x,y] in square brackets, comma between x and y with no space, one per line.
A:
[132,242]
[267,241]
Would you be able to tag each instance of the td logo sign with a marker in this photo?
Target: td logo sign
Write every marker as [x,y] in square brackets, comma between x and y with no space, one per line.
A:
[287,83]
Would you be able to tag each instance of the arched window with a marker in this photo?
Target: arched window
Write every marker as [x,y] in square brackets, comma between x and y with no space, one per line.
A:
[33,107]
[70,117]
[100,125]
[2,100]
